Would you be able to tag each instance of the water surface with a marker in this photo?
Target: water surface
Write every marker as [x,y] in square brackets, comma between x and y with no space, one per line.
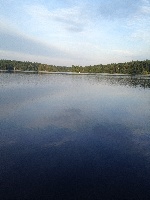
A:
[74,137]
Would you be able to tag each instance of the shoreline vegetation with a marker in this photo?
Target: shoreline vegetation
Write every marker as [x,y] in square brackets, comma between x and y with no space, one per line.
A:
[124,69]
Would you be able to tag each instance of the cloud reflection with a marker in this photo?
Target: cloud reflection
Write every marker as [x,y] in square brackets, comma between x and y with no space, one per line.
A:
[71,119]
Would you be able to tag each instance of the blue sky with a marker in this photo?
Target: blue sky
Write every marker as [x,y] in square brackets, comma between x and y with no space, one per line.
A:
[79,32]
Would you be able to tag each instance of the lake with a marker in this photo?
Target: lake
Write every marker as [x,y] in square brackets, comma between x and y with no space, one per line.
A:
[73,137]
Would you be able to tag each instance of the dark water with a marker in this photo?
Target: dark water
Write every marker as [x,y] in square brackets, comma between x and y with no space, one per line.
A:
[74,137]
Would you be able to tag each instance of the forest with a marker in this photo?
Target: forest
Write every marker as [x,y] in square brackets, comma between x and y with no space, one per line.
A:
[133,67]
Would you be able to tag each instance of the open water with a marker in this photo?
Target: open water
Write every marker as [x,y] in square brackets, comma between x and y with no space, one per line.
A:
[73,137]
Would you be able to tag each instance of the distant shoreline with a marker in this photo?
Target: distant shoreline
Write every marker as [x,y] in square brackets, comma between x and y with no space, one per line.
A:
[128,68]
[73,73]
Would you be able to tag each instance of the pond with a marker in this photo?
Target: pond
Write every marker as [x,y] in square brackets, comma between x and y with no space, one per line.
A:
[74,137]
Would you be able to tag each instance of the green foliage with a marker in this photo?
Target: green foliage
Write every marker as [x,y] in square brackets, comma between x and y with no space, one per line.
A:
[133,67]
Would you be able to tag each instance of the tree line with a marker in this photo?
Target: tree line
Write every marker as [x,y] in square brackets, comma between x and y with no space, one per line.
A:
[133,67]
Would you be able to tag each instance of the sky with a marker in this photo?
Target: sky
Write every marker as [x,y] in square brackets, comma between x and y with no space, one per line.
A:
[75,32]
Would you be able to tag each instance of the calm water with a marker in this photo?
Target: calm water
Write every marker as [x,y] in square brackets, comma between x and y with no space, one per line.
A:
[73,137]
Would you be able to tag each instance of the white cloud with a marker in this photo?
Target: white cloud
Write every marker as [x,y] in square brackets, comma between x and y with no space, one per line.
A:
[73,18]
[14,43]
[139,24]
[145,9]
[142,35]
[123,52]
[13,55]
